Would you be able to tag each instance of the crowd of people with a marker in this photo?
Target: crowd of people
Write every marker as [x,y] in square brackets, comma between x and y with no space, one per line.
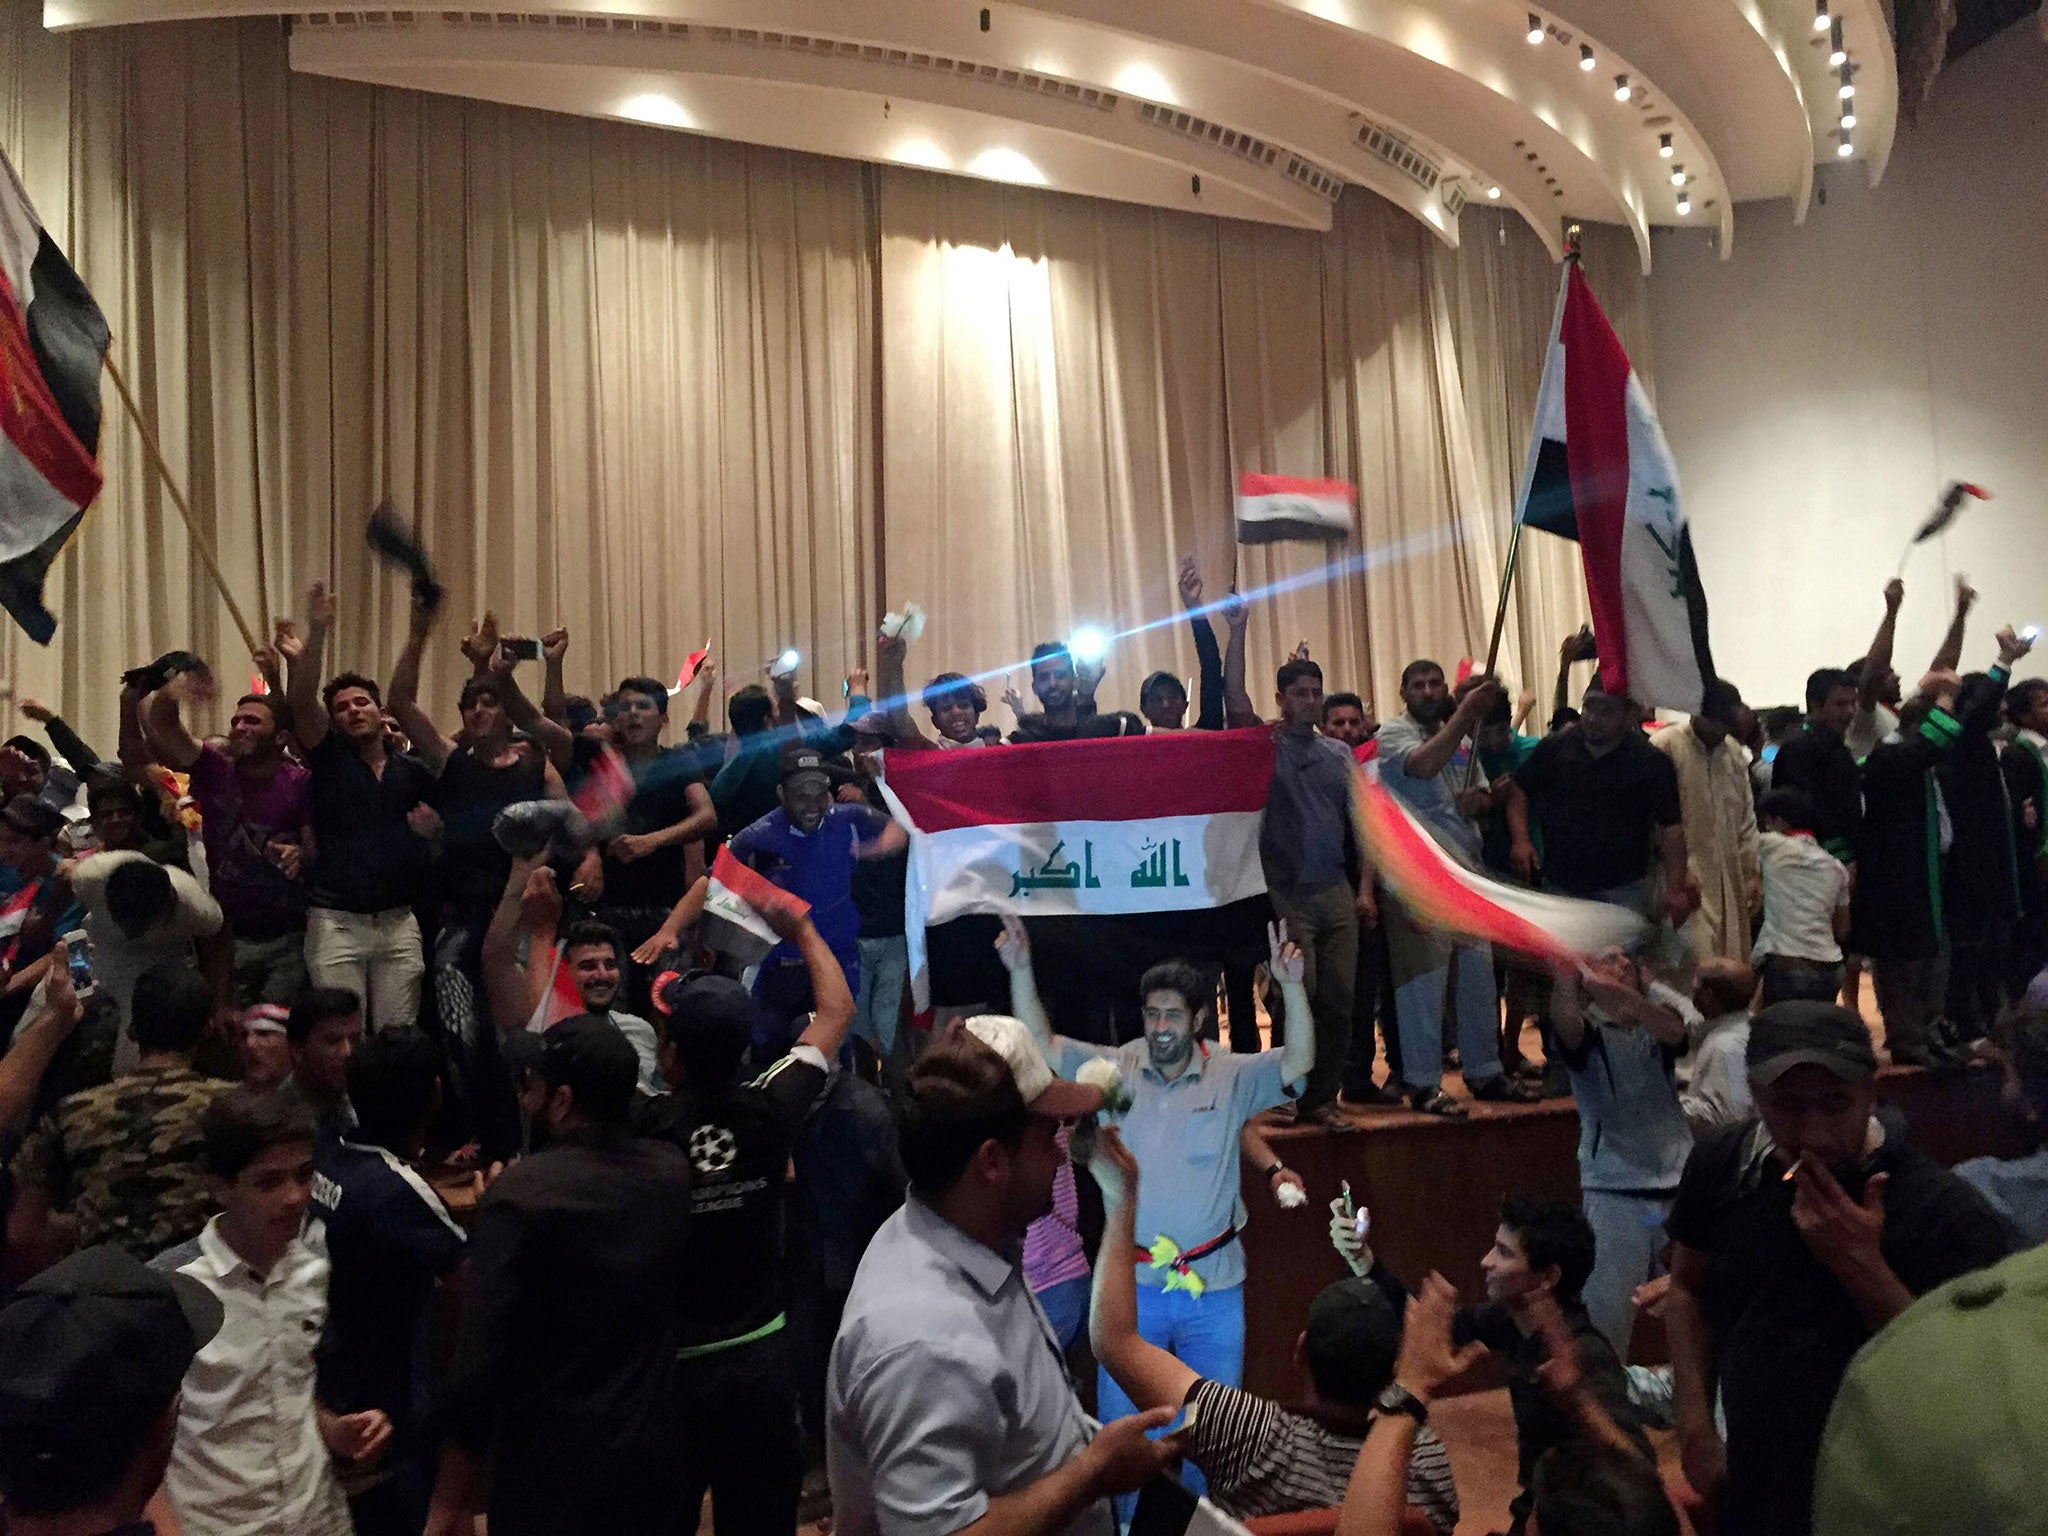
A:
[395,1133]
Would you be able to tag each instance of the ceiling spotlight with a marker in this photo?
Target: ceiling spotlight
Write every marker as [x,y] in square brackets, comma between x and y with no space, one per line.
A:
[1845,149]
[1848,117]
[1494,193]
[1585,56]
[1821,18]
[1621,87]
[1837,54]
[1664,145]
[1684,205]
[1535,28]
[1848,86]
[1678,175]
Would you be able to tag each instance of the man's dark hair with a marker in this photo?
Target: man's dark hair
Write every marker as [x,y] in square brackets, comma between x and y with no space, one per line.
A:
[579,712]
[1794,807]
[948,686]
[172,1007]
[1719,702]
[1563,719]
[342,680]
[958,1096]
[1553,1232]
[590,931]
[1195,989]
[1416,668]
[649,687]
[2023,696]
[1824,682]
[30,748]
[1585,1489]
[315,1006]
[1160,680]
[1779,719]
[476,688]
[392,1077]
[280,711]
[139,896]
[238,1126]
[1292,672]
[749,710]
[1049,650]
[103,787]
[1336,701]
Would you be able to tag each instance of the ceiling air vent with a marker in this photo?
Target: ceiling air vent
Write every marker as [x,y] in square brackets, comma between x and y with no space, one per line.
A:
[1396,151]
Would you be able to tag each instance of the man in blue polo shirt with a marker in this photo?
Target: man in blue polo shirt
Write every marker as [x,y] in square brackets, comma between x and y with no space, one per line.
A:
[1187,1105]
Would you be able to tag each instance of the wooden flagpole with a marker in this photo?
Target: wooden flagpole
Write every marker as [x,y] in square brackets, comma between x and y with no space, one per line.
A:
[199,540]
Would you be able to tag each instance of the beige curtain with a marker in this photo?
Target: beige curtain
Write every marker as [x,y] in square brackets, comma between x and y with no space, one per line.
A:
[657,387]
[622,379]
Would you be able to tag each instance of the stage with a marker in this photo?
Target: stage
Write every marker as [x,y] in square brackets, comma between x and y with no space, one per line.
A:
[1434,1188]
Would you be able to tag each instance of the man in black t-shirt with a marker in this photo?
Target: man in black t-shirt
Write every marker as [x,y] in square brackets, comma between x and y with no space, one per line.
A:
[391,1241]
[372,830]
[1796,1238]
[1602,797]
[1816,759]
[735,1378]
[1066,697]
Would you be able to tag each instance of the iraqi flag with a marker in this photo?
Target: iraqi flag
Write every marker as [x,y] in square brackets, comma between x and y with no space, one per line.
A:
[1600,472]
[53,340]
[1271,508]
[1110,827]
[1441,893]
[733,903]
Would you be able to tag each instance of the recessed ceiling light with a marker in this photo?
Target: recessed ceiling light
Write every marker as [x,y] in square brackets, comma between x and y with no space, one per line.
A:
[1845,149]
[1678,175]
[1837,53]
[1849,117]
[1493,193]
[1848,89]
[1585,55]
[1621,87]
[1535,28]
[1684,205]
[1821,19]
[1664,145]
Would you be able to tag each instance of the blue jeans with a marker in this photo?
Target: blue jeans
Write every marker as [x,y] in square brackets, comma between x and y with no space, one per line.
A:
[1204,1333]
[1628,1249]
[884,967]
[1422,960]
[1065,1305]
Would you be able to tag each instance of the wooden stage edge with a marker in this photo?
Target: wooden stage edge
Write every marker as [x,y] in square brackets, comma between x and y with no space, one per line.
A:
[1435,1186]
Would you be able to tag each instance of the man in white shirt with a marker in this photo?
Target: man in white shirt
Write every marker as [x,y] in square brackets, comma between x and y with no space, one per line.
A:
[255,1451]
[1798,949]
[1716,1092]
[137,912]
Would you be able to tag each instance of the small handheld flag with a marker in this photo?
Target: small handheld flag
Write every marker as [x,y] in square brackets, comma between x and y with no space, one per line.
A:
[1945,512]
[1272,508]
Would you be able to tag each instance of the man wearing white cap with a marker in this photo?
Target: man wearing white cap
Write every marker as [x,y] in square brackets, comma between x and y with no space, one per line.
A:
[949,1405]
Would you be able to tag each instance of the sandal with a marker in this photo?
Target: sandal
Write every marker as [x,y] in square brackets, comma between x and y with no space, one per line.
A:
[1434,1101]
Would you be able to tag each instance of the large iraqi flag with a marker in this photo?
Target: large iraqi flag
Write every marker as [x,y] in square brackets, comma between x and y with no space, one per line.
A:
[1161,823]
[1600,472]
[53,339]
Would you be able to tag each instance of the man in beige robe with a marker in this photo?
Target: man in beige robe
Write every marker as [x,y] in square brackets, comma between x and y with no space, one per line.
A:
[1719,815]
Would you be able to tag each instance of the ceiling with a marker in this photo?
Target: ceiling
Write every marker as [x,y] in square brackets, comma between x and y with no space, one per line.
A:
[1257,109]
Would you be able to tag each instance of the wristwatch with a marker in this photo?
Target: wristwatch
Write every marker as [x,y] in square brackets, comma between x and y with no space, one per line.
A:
[1276,1167]
[1395,1398]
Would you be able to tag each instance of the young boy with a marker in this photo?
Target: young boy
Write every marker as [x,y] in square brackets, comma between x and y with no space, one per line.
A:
[255,1450]
[1798,951]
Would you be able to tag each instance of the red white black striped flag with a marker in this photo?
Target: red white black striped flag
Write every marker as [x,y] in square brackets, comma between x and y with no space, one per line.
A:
[53,340]
[1600,472]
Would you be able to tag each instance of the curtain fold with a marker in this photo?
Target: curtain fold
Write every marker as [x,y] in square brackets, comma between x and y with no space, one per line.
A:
[658,387]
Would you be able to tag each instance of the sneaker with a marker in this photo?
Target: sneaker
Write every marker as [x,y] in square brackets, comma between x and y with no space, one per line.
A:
[1504,1090]
[1434,1101]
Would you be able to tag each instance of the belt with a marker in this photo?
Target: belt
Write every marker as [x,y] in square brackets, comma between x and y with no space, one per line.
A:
[1168,1255]
[717,1346]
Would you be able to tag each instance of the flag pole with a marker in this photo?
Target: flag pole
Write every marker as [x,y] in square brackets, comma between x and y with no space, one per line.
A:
[1507,575]
[199,539]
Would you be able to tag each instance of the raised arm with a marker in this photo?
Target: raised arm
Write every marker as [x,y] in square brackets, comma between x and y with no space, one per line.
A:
[1237,704]
[1150,1377]
[699,723]
[1877,661]
[35,1047]
[1950,656]
[72,747]
[1298,1053]
[684,916]
[554,695]
[1013,944]
[1578,646]
[303,657]
[1208,661]
[529,903]
[402,697]
[892,695]
[1431,758]
[554,738]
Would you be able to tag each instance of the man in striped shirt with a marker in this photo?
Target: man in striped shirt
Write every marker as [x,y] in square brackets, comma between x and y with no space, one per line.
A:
[1258,1457]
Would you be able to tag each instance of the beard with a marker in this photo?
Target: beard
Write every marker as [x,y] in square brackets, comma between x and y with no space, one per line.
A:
[1168,1051]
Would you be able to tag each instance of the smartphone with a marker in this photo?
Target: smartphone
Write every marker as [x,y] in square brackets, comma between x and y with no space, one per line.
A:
[78,961]
[521,648]
[1361,1218]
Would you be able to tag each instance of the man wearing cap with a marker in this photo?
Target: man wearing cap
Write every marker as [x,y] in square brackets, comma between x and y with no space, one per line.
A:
[564,1378]
[735,1376]
[92,1354]
[1187,1106]
[949,1404]
[1795,1238]
[808,846]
